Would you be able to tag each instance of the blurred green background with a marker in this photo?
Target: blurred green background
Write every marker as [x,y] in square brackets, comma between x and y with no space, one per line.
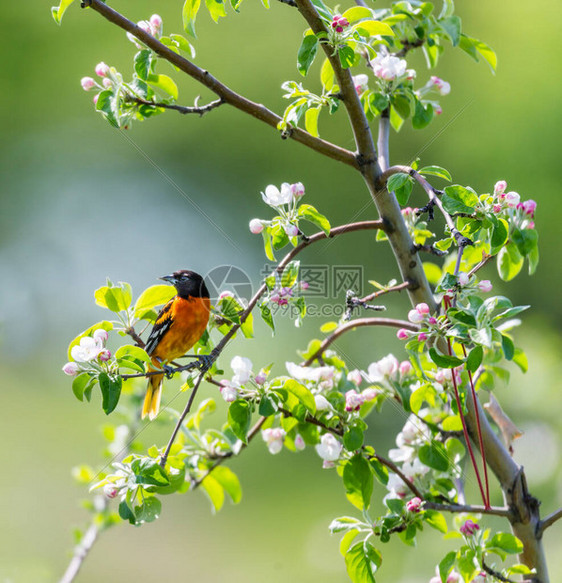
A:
[81,201]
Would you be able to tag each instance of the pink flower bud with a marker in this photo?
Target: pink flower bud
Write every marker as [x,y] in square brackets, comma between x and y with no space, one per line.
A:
[297,189]
[299,442]
[402,334]
[530,225]
[512,199]
[422,337]
[405,368]
[283,301]
[353,400]
[355,377]
[225,294]
[431,320]
[104,355]
[463,278]
[414,505]
[485,285]
[274,298]
[407,211]
[107,83]
[443,87]
[256,226]
[291,230]
[228,391]
[304,285]
[95,99]
[286,291]
[469,528]
[497,208]
[110,491]
[410,74]
[422,308]
[415,317]
[260,378]
[370,394]
[100,336]
[529,207]
[102,69]
[145,25]
[87,83]
[500,187]
[71,369]
[156,22]
[438,110]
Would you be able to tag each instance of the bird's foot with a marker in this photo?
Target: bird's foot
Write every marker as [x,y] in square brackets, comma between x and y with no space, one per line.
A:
[168,370]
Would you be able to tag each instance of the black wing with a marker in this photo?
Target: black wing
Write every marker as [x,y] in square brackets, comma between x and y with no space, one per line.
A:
[161,326]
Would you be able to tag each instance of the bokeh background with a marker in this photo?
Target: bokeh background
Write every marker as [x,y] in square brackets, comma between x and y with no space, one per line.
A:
[81,201]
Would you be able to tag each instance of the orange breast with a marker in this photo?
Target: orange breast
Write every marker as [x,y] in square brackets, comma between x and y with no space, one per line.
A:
[189,320]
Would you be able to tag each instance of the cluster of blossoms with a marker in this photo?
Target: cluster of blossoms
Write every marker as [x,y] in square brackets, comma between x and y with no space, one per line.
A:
[152,26]
[339,23]
[284,200]
[91,352]
[510,202]
[418,315]
[435,84]
[453,577]
[108,77]
[234,388]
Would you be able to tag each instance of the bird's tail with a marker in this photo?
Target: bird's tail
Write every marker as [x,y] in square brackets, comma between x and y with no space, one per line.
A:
[151,404]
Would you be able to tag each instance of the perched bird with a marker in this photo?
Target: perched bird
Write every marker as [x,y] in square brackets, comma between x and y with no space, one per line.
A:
[179,325]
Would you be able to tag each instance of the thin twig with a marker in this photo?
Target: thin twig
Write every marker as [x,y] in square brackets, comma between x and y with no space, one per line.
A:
[549,520]
[229,96]
[357,324]
[80,553]
[496,574]
[470,508]
[199,110]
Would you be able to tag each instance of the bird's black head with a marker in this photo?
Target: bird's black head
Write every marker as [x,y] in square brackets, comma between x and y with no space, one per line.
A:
[188,284]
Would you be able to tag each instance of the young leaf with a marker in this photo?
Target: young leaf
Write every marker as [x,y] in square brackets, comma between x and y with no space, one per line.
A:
[310,214]
[307,53]
[434,456]
[164,83]
[58,11]
[239,417]
[358,481]
[443,360]
[189,14]
[358,564]
[216,9]
[111,391]
[301,393]
[436,171]
[474,359]
[155,295]
[229,481]
[311,120]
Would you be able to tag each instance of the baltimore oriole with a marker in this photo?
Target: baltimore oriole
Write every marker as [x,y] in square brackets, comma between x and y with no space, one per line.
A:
[179,325]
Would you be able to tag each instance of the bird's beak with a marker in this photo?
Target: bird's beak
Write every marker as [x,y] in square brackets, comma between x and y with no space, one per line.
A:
[169,278]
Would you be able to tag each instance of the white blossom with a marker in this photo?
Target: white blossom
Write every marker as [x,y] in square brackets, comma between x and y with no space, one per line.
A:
[329,448]
[242,368]
[387,67]
[386,367]
[275,197]
[274,438]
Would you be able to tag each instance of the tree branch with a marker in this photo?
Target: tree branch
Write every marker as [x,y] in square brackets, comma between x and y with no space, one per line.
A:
[229,96]
[471,508]
[357,324]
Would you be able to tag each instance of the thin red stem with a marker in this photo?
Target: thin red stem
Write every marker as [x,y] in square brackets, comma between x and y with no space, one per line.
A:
[463,420]
[480,443]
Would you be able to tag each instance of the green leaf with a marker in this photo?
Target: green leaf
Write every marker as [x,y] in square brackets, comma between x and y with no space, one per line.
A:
[358,565]
[452,423]
[310,214]
[347,56]
[126,513]
[307,53]
[474,359]
[183,44]
[114,298]
[155,295]
[148,511]
[207,407]
[380,471]
[436,171]
[311,120]
[452,28]
[164,83]
[357,13]
[132,352]
[508,347]
[509,261]
[506,542]
[499,236]
[214,491]
[373,28]
[423,114]
[434,456]
[343,524]
[229,481]
[358,481]
[111,391]
[103,325]
[58,11]
[481,336]
[520,359]
[239,417]
[474,48]
[267,316]
[189,14]
[424,393]
[353,438]
[267,244]
[346,541]
[79,385]
[397,181]
[443,360]
[267,406]
[436,520]
[301,393]
[149,472]
[327,75]
[459,199]
[446,565]
[216,9]
[525,239]
[143,63]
